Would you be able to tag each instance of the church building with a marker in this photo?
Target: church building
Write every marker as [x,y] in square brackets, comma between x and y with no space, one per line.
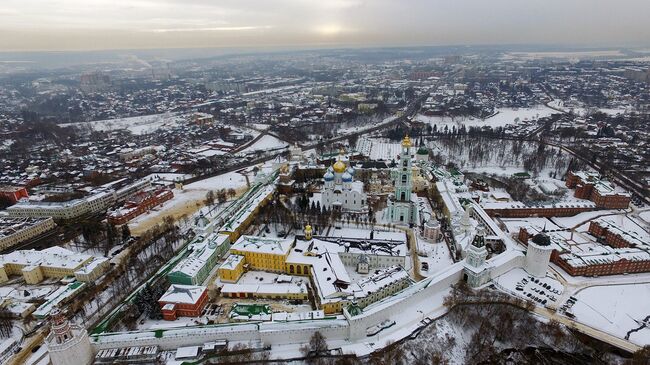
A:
[340,190]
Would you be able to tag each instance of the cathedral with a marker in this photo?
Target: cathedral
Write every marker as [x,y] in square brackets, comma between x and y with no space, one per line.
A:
[340,191]
[402,204]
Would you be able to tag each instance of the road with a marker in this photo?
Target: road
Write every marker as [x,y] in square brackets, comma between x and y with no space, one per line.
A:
[590,331]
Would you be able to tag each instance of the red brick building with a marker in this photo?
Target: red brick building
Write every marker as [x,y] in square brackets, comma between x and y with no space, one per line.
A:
[13,193]
[612,261]
[611,238]
[183,301]
[138,204]
[519,210]
[600,266]
[590,186]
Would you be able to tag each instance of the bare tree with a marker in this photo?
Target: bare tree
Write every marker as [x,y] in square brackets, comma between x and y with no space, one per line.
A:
[209,198]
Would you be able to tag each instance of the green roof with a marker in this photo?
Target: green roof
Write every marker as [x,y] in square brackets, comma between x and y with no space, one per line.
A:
[354,309]
[251,309]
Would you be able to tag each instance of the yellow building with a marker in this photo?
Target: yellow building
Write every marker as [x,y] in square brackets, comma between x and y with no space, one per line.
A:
[327,276]
[268,254]
[16,230]
[241,213]
[53,262]
[333,307]
[232,269]
[291,291]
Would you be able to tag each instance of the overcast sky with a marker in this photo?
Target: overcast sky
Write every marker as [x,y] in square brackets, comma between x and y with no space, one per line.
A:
[111,24]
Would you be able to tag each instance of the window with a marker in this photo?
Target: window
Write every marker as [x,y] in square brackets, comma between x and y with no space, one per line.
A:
[404,179]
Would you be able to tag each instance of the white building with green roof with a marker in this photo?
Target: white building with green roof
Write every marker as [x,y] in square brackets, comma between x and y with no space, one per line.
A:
[196,267]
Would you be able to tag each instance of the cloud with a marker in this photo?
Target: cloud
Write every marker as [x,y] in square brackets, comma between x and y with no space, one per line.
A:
[143,23]
[212,29]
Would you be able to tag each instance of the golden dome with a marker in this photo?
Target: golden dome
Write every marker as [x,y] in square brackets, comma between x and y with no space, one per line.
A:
[406,142]
[339,167]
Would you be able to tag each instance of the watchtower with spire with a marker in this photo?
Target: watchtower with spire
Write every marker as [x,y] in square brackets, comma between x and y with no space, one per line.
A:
[475,268]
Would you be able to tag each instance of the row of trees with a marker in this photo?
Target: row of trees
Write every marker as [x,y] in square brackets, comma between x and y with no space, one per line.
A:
[220,196]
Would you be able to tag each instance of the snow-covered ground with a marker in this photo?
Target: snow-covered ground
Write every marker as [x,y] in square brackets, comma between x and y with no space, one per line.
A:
[137,125]
[228,180]
[436,255]
[364,127]
[503,117]
[185,201]
[267,142]
[500,157]
[645,216]
[581,111]
[580,218]
[616,309]
[168,176]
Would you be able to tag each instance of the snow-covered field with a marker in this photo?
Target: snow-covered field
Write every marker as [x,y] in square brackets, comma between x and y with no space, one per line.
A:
[265,143]
[359,128]
[579,110]
[137,125]
[645,216]
[581,221]
[616,309]
[503,117]
[437,256]
[168,176]
[188,200]
[228,180]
